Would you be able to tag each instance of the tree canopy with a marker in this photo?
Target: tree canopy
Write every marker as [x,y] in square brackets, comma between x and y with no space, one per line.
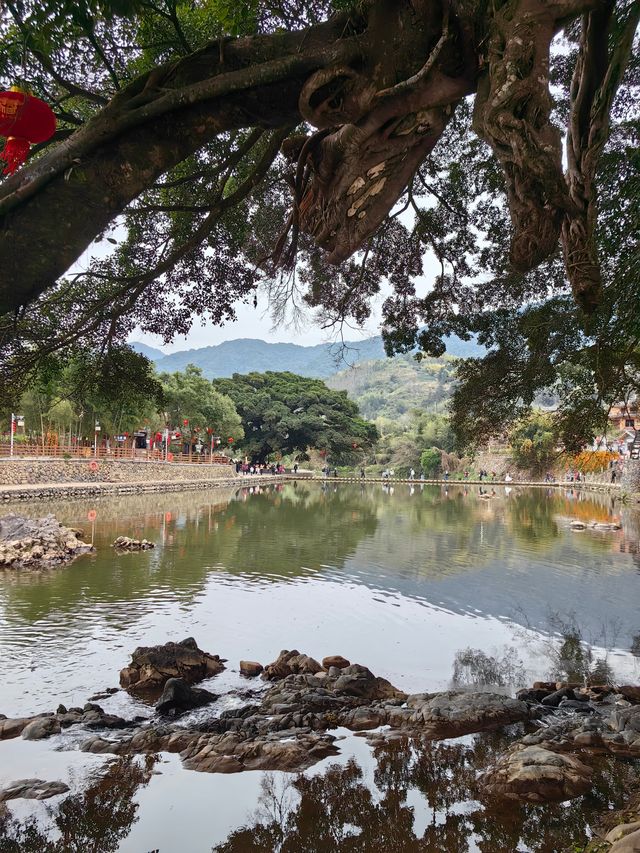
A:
[324,149]
[284,413]
[533,440]
[193,405]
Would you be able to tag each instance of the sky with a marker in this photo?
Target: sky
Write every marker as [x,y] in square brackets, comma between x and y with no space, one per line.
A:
[256,323]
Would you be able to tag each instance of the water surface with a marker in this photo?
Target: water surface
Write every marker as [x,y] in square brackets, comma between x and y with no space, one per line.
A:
[400,579]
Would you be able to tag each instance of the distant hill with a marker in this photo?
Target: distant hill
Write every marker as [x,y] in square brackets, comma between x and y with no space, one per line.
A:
[321,361]
[151,352]
[390,388]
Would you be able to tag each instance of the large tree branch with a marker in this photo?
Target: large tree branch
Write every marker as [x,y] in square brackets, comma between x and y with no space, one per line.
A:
[56,207]
[596,79]
[126,290]
[381,86]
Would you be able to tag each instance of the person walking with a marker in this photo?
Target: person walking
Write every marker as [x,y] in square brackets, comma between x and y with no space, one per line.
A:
[362,474]
[613,475]
[412,474]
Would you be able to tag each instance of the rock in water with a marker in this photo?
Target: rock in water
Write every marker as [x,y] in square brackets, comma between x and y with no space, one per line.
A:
[41,728]
[35,543]
[125,543]
[456,712]
[335,660]
[290,663]
[152,666]
[250,668]
[178,697]
[32,789]
[537,775]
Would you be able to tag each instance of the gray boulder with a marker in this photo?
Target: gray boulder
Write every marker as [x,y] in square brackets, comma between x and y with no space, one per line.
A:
[178,697]
[537,775]
[32,789]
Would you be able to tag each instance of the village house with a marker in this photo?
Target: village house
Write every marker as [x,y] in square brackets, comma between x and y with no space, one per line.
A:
[624,420]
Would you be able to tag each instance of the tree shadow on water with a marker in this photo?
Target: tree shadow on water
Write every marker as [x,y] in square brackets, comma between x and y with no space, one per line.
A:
[339,811]
[95,820]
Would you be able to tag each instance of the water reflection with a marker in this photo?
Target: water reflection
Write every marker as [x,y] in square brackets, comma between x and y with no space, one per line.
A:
[400,581]
[336,559]
[95,820]
[424,797]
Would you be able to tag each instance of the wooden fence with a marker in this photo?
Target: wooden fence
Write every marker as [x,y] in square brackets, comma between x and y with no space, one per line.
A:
[23,450]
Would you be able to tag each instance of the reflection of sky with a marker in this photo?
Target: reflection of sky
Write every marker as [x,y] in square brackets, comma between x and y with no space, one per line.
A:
[519,586]
[399,583]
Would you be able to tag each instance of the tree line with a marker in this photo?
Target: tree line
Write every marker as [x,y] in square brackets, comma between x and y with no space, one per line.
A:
[260,415]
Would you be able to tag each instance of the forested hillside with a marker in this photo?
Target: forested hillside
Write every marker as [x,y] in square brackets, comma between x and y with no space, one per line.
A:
[392,388]
[247,355]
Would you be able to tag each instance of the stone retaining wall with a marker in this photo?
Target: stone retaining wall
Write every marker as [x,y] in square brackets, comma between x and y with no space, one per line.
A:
[17,472]
[630,480]
[49,491]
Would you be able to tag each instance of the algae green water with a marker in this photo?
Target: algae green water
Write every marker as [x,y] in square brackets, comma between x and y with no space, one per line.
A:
[399,579]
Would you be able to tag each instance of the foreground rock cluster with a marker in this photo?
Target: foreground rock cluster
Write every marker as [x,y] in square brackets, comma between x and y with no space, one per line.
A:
[287,723]
[152,666]
[35,543]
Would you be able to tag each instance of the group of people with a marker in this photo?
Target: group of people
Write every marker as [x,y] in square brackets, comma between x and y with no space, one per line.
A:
[328,472]
[259,468]
[484,475]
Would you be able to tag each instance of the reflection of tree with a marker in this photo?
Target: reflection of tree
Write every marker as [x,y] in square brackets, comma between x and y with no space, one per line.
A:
[531,519]
[280,533]
[338,811]
[94,821]
[300,528]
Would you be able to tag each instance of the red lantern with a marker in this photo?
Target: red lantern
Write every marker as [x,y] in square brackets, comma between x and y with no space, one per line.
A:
[185,422]
[354,445]
[23,120]
[230,440]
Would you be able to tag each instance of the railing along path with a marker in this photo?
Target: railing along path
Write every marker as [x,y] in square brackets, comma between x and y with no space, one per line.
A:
[119,454]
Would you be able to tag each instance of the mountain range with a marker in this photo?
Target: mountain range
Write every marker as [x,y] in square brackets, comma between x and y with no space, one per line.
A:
[320,361]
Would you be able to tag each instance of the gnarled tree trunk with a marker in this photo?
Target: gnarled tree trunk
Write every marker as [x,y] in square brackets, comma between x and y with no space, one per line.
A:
[380,86]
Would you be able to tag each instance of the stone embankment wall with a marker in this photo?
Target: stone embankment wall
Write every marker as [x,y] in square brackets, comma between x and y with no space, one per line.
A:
[501,463]
[630,480]
[14,472]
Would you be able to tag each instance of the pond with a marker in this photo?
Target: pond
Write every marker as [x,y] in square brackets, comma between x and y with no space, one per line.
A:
[412,581]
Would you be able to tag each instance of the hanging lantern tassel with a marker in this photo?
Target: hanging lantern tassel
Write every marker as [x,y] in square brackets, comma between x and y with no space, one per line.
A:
[24,120]
[14,153]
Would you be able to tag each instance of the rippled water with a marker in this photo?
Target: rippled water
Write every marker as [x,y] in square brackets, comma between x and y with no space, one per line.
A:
[399,580]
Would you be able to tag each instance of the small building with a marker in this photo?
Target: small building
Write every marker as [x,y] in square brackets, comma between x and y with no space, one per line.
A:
[624,421]
[625,416]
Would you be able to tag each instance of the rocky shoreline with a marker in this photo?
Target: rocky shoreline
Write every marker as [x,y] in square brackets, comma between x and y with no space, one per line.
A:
[37,543]
[288,722]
